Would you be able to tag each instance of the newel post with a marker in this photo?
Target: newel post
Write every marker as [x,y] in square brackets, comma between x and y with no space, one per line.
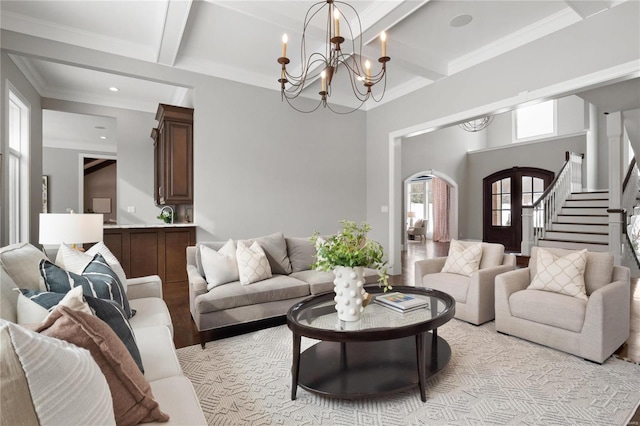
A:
[615,136]
[527,231]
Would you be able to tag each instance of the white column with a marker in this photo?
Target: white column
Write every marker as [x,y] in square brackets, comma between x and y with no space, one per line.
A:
[615,137]
[527,231]
[591,156]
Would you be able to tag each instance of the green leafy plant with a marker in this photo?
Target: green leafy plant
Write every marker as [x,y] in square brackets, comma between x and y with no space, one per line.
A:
[350,247]
[166,216]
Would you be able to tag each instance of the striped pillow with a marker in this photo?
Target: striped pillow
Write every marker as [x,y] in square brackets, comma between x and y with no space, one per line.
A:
[107,310]
[97,280]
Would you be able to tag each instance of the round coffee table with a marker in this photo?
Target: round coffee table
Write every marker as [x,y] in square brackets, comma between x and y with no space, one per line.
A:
[385,352]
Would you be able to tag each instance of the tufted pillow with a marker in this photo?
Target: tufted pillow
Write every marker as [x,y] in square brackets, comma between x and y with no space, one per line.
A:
[463,260]
[221,266]
[253,265]
[564,275]
[97,280]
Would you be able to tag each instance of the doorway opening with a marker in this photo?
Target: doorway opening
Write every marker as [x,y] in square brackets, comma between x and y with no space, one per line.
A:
[424,207]
[98,185]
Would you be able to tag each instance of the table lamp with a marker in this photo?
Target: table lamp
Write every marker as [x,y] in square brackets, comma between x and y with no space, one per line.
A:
[411,215]
[70,228]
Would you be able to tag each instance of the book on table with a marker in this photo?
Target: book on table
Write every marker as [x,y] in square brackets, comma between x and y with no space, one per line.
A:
[402,302]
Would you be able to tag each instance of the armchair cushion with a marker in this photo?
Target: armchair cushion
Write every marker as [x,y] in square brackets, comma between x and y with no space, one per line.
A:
[564,275]
[463,259]
[544,307]
[454,284]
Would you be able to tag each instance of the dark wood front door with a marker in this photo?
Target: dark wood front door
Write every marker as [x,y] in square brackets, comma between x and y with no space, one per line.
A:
[504,194]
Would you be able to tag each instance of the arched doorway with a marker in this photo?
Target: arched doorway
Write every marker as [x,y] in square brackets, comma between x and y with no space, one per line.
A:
[504,193]
[453,200]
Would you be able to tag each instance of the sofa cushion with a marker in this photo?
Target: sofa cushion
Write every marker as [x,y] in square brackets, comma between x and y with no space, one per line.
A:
[553,309]
[131,394]
[61,378]
[9,299]
[598,270]
[253,265]
[97,280]
[213,245]
[301,252]
[179,400]
[322,281]
[275,248]
[233,295]
[492,255]
[454,284]
[221,266]
[564,275]
[76,261]
[463,259]
[150,311]
[158,354]
[21,262]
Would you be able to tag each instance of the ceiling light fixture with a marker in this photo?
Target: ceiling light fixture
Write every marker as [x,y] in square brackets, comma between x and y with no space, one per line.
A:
[114,89]
[477,124]
[325,65]
[103,137]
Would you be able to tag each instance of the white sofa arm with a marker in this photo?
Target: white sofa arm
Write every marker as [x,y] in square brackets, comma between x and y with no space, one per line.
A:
[428,266]
[150,286]
[197,283]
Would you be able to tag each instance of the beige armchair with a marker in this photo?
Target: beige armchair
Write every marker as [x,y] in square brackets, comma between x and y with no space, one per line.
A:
[474,294]
[592,329]
[418,230]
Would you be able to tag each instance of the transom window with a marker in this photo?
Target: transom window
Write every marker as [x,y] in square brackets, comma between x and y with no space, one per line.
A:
[535,121]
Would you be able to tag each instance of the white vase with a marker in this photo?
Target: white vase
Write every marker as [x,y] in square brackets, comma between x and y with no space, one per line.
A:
[349,288]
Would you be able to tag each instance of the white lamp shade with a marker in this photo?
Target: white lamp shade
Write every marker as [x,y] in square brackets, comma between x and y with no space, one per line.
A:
[70,228]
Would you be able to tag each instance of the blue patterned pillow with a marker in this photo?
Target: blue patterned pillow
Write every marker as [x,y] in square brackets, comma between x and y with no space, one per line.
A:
[108,311]
[97,280]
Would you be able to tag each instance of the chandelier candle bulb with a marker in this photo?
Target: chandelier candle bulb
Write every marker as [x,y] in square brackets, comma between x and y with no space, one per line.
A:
[284,45]
[367,66]
[336,15]
[323,75]
[383,39]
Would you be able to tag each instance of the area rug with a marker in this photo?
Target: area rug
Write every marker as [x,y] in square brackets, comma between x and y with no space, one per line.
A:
[492,379]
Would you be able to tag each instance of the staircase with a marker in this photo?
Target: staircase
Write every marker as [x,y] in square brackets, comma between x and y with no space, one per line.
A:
[582,222]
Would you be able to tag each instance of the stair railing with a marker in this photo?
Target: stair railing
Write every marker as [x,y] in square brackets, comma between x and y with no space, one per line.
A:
[536,219]
[630,192]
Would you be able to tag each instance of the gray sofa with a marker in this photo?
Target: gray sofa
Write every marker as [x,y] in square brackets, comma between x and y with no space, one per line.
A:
[230,304]
[151,325]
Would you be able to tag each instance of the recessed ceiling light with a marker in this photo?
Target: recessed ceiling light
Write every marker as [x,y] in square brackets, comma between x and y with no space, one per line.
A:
[113,89]
[460,20]
[99,127]
[103,137]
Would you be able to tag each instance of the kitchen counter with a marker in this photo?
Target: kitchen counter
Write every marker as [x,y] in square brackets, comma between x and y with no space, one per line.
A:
[149,225]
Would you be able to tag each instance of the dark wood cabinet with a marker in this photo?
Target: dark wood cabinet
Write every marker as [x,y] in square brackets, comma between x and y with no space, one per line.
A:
[152,251]
[173,155]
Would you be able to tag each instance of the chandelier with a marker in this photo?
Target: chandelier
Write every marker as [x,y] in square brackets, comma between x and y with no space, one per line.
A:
[477,124]
[326,65]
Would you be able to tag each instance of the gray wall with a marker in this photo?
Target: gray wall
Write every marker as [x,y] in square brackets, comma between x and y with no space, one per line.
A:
[260,167]
[135,159]
[552,66]
[548,155]
[9,72]
[61,165]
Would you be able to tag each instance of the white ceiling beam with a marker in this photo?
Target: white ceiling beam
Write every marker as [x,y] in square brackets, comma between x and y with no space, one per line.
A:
[175,23]
[588,8]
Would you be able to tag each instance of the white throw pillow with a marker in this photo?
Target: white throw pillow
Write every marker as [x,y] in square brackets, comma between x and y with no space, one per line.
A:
[60,377]
[253,264]
[220,267]
[29,312]
[75,261]
[564,275]
[463,260]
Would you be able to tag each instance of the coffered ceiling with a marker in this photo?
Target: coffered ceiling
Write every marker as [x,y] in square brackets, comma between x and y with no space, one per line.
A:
[240,40]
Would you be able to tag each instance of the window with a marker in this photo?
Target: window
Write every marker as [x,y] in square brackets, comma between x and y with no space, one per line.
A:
[501,202]
[535,121]
[18,208]
[416,200]
[532,189]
